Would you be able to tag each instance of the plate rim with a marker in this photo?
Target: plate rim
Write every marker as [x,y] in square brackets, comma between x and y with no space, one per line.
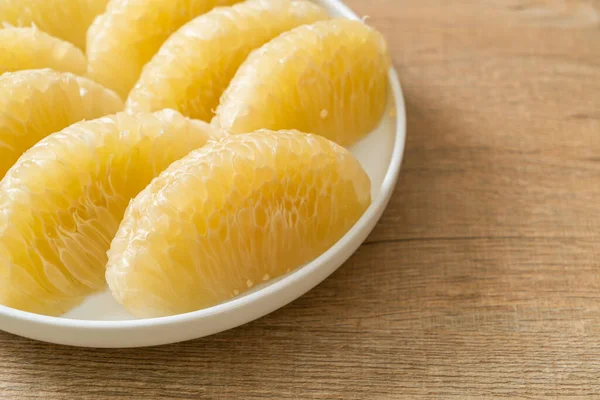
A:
[345,245]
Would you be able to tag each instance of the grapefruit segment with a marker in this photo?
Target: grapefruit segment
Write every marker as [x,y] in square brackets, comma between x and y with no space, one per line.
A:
[36,103]
[123,39]
[65,19]
[64,198]
[230,215]
[328,78]
[194,66]
[30,48]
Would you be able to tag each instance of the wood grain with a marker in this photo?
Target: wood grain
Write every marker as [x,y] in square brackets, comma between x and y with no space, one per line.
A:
[482,279]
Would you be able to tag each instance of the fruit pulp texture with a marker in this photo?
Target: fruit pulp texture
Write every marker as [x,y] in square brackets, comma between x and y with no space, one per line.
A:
[327,78]
[63,201]
[36,103]
[123,39]
[65,19]
[233,214]
[30,48]
[195,65]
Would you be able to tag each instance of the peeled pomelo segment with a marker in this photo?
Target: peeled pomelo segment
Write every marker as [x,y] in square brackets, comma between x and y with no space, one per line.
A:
[123,39]
[65,19]
[194,66]
[36,103]
[231,215]
[328,78]
[30,48]
[63,200]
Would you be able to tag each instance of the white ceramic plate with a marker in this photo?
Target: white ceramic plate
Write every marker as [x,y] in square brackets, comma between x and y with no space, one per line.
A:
[101,322]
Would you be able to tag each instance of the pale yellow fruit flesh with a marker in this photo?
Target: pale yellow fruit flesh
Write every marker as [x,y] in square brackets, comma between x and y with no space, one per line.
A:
[231,215]
[30,48]
[123,39]
[64,198]
[65,19]
[328,78]
[195,65]
[36,103]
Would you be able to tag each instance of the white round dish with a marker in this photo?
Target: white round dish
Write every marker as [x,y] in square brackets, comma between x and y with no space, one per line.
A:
[101,322]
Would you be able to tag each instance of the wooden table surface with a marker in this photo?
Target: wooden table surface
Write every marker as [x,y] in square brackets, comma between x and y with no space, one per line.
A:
[482,279]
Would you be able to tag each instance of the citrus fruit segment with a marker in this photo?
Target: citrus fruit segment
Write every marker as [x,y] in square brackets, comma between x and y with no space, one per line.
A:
[328,78]
[64,198]
[231,215]
[30,48]
[194,66]
[36,103]
[123,39]
[65,19]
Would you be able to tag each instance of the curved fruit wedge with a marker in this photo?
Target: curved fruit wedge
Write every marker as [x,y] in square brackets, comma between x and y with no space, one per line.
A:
[30,48]
[194,66]
[328,78]
[36,103]
[65,19]
[123,39]
[63,200]
[233,214]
